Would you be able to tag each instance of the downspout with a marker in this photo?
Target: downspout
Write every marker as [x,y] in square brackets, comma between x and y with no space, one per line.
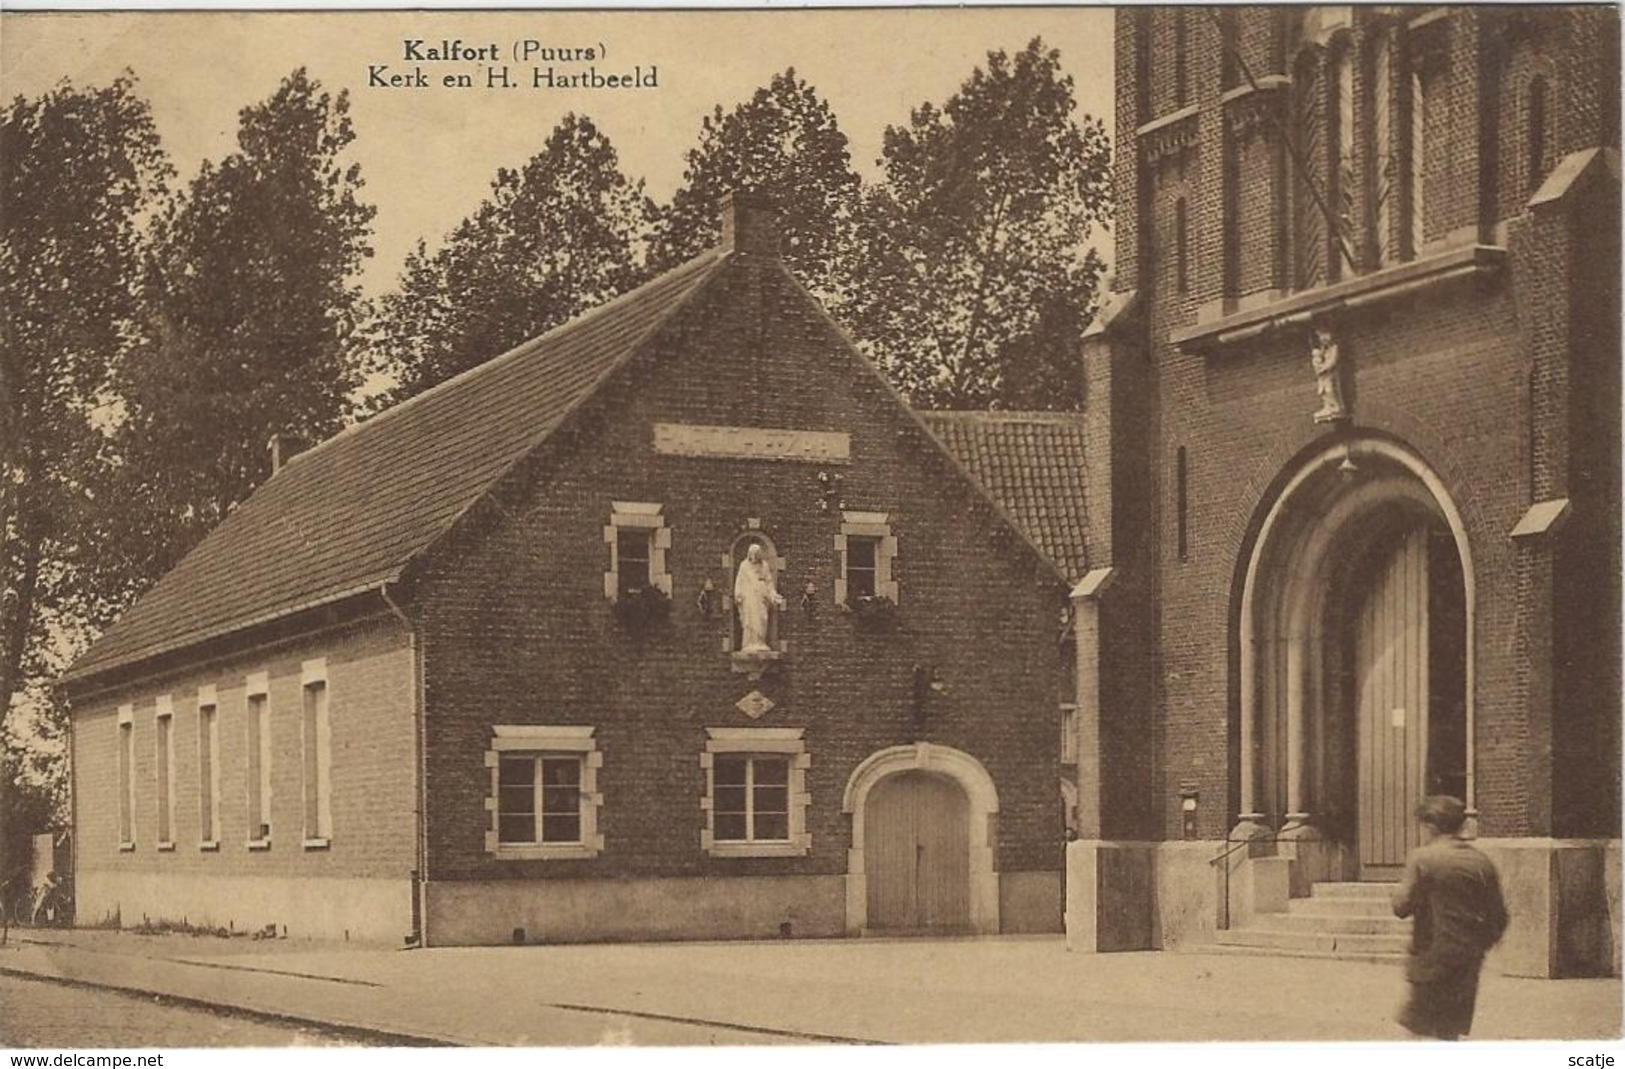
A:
[419,934]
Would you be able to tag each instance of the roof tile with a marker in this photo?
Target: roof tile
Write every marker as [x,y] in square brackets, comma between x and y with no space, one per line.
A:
[1032,464]
[352,512]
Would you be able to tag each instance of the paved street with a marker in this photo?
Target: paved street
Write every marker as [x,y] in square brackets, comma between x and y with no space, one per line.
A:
[41,1014]
[854,991]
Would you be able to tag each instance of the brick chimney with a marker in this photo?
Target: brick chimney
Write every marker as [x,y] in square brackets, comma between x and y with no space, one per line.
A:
[750,224]
[284,447]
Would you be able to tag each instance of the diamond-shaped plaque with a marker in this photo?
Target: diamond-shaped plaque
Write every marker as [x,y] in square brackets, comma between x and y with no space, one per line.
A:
[754,704]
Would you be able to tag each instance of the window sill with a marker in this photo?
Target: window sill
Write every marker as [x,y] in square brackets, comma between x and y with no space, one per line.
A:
[561,852]
[259,844]
[209,846]
[126,848]
[318,844]
[166,847]
[757,850]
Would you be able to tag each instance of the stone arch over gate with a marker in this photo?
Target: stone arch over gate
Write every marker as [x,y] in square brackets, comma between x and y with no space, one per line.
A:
[983,797]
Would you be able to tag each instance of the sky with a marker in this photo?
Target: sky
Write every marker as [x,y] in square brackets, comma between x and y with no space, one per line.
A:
[428,154]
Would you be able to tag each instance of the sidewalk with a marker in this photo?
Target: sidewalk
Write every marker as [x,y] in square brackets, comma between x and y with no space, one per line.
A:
[1005,990]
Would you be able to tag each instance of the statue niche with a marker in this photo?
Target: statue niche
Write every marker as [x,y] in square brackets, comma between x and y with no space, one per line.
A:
[756,602]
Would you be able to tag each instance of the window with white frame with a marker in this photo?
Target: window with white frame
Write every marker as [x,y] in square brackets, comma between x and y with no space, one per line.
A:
[316,745]
[866,549]
[208,768]
[1069,733]
[544,798]
[163,748]
[126,777]
[756,797]
[638,540]
[257,735]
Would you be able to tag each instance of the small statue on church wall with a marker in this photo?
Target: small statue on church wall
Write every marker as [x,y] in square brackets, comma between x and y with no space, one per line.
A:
[756,598]
[1324,358]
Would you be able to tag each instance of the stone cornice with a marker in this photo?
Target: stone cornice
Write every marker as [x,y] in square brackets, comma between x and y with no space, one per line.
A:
[1169,136]
[1362,291]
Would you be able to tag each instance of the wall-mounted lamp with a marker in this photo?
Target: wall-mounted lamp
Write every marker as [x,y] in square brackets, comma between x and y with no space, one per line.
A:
[809,600]
[1189,796]
[926,683]
[707,601]
[829,489]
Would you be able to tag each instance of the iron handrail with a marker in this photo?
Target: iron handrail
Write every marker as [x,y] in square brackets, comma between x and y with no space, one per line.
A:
[1223,855]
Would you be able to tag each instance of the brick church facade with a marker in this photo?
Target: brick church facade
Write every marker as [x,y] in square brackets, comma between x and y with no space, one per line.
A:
[1358,380]
[473,671]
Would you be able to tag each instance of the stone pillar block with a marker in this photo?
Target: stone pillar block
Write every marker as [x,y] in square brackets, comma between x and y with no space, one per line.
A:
[1110,896]
[1259,885]
[1563,898]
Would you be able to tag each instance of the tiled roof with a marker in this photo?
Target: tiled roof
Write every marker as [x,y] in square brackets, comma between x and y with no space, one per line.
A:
[351,513]
[1032,464]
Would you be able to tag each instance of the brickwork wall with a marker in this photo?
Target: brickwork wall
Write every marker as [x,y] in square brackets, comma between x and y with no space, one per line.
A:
[1446,373]
[370,705]
[517,629]
[1586,579]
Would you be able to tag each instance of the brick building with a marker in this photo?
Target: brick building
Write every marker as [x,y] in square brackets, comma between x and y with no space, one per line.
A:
[472,671]
[1354,419]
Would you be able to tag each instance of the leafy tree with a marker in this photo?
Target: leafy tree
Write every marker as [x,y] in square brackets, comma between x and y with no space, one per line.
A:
[79,167]
[256,316]
[976,276]
[558,236]
[784,142]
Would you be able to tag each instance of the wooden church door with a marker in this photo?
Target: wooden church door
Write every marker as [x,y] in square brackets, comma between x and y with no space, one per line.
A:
[917,853]
[1392,680]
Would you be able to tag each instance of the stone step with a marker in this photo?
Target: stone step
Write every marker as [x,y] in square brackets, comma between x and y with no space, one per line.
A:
[1260,935]
[1342,923]
[1343,907]
[1325,955]
[1353,889]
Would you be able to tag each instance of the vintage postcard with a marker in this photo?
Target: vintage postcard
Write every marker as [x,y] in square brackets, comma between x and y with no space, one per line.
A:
[911,525]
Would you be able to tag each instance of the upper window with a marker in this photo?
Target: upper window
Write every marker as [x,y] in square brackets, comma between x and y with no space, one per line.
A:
[638,539]
[756,798]
[164,770]
[208,768]
[1385,171]
[126,777]
[316,742]
[862,555]
[867,550]
[544,798]
[257,731]
[632,550]
[1535,136]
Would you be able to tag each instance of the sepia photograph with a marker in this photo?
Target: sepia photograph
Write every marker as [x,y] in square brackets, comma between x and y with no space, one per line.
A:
[579,528]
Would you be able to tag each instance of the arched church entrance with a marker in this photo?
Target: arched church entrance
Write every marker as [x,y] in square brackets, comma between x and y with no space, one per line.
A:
[1356,697]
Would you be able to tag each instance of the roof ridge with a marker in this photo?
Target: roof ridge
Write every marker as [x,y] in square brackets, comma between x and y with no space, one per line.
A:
[1000,415]
[630,352]
[521,350]
[533,367]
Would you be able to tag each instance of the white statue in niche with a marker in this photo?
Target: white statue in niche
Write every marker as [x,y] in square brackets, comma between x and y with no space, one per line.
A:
[756,598]
[1323,358]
